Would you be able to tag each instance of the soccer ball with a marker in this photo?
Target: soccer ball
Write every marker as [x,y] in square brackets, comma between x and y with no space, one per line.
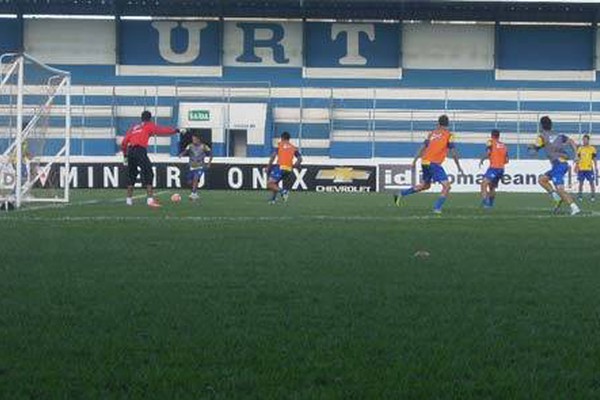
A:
[175,197]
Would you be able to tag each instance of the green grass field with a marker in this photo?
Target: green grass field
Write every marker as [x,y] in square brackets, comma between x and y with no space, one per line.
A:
[319,298]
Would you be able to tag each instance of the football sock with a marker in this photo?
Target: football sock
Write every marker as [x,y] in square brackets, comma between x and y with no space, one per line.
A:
[491,201]
[274,197]
[409,191]
[439,203]
[129,201]
[555,196]
[574,207]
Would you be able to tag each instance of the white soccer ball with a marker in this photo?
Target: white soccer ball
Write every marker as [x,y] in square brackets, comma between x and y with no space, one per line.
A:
[175,197]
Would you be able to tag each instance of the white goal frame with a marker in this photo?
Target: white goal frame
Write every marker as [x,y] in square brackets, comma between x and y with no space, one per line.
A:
[13,65]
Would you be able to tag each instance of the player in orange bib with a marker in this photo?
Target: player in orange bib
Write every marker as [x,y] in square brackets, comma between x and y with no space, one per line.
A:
[285,154]
[433,154]
[497,154]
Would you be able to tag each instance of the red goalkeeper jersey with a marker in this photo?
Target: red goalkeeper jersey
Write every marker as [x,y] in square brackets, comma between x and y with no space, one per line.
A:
[139,134]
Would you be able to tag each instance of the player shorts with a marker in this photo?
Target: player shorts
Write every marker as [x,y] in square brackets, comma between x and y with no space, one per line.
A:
[138,161]
[195,173]
[434,173]
[24,171]
[277,175]
[494,175]
[557,172]
[583,176]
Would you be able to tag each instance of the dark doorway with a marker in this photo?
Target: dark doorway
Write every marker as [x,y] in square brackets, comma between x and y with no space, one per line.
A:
[237,143]
[186,138]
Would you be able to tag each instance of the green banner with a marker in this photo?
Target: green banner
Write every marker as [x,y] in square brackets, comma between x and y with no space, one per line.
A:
[199,115]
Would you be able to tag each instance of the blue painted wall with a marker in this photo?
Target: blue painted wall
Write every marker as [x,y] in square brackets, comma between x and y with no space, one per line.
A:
[10,35]
[546,47]
[324,51]
[139,43]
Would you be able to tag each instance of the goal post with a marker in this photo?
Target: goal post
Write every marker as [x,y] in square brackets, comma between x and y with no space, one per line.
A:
[35,136]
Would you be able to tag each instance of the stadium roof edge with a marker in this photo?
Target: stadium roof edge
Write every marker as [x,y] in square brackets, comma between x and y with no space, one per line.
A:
[534,11]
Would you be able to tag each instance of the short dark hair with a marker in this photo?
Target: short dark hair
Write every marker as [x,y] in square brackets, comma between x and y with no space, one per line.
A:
[285,135]
[586,136]
[197,134]
[146,115]
[443,120]
[495,133]
[546,123]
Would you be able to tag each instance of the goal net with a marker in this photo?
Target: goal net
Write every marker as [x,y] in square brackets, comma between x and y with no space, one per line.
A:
[35,125]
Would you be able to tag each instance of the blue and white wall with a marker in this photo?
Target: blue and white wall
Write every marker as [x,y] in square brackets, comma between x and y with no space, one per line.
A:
[341,89]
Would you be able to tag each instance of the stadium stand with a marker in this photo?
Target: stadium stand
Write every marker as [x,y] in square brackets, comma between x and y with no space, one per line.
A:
[478,62]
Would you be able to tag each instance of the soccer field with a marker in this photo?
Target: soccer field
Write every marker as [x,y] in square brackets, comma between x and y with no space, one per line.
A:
[318,298]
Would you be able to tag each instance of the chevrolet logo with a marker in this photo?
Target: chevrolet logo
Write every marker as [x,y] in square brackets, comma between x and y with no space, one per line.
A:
[343,174]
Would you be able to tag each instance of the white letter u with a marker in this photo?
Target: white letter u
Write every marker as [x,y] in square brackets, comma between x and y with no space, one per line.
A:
[192,52]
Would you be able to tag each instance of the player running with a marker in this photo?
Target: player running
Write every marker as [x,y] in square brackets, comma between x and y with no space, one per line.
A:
[135,150]
[433,154]
[198,152]
[285,154]
[497,154]
[556,150]
[586,167]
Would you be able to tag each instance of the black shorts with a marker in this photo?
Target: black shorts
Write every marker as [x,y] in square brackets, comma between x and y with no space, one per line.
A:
[286,180]
[137,158]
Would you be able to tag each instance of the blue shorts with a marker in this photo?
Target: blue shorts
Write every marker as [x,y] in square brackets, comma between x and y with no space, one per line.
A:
[277,174]
[583,176]
[195,173]
[494,175]
[434,173]
[558,172]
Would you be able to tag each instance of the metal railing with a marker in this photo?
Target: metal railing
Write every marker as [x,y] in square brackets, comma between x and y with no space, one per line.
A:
[516,113]
[366,115]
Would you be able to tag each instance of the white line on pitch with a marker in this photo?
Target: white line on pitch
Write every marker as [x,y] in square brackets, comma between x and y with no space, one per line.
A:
[349,218]
[85,202]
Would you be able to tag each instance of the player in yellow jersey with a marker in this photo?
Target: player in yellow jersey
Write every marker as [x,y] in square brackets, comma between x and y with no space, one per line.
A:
[25,162]
[285,154]
[586,167]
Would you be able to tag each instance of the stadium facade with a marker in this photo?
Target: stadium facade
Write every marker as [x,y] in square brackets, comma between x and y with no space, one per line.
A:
[343,86]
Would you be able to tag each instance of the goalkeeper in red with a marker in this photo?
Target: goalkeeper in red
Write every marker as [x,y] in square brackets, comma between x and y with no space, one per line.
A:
[135,150]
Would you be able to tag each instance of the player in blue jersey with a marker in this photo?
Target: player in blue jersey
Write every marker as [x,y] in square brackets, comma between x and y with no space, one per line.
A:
[198,153]
[553,181]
